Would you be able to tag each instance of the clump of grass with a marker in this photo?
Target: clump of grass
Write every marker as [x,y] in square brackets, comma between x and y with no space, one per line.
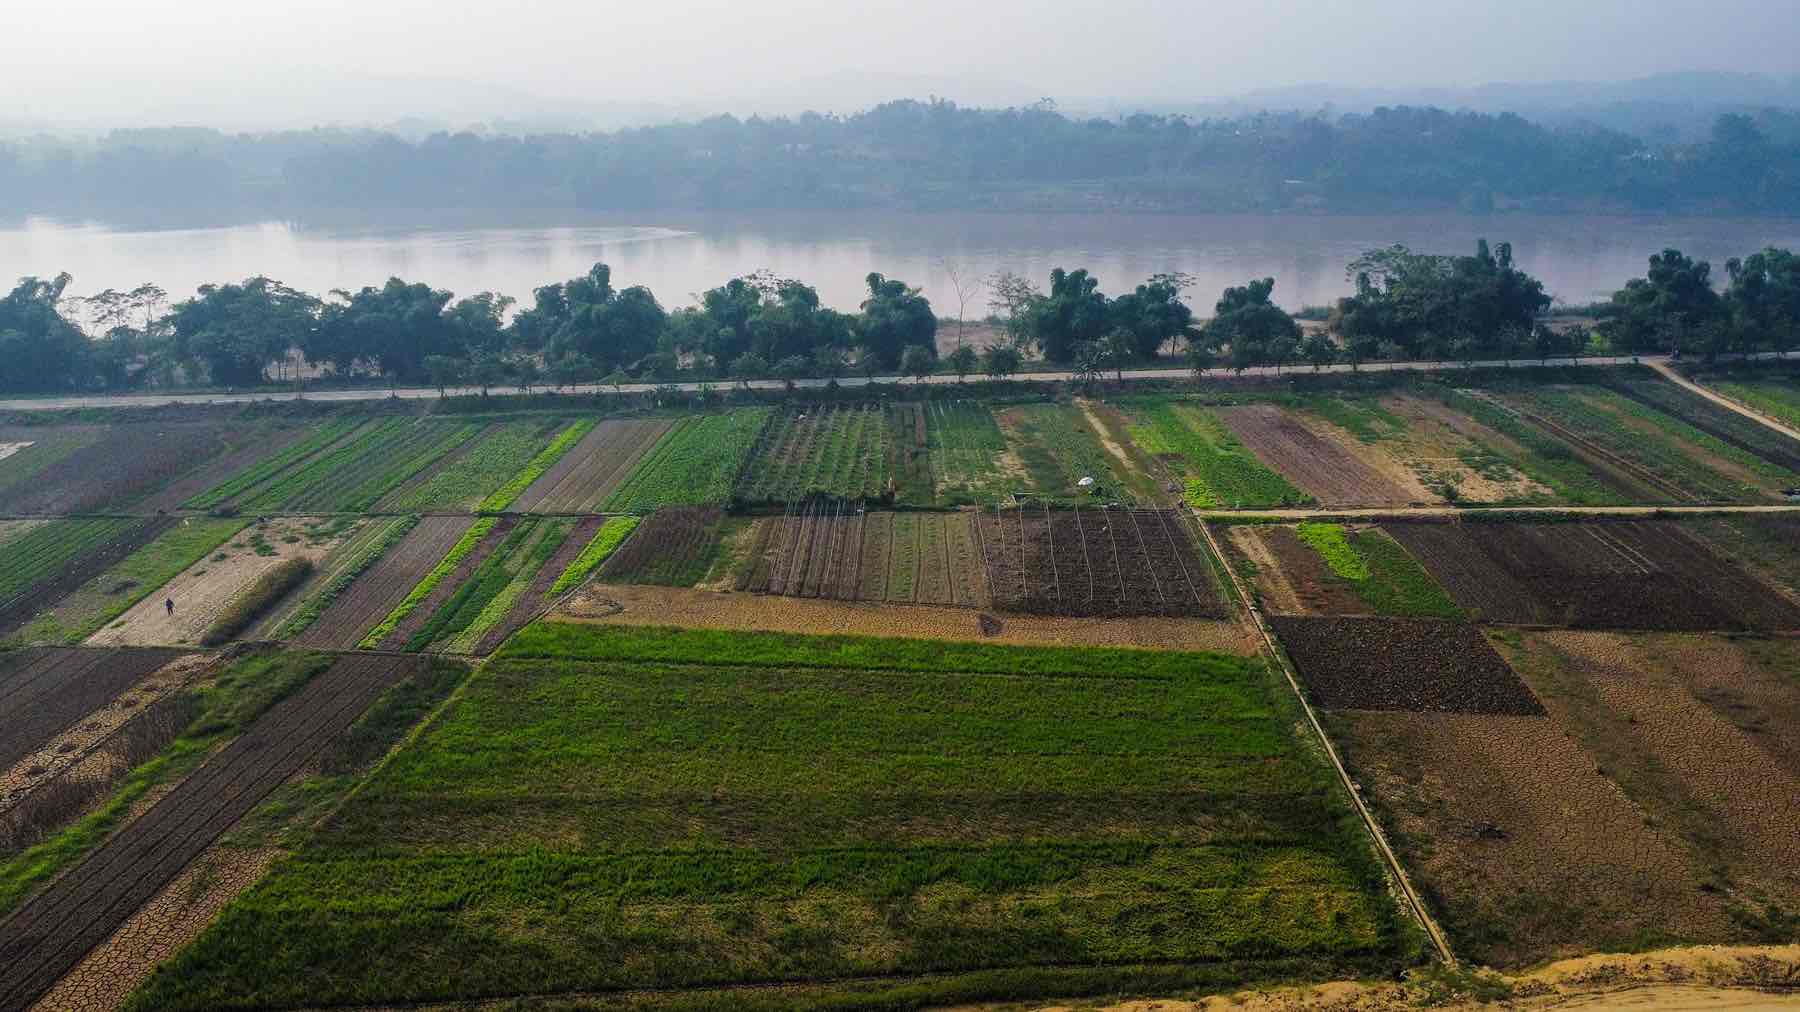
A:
[254,601]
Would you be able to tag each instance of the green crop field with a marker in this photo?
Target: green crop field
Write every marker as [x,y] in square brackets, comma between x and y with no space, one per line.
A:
[846,452]
[1058,449]
[42,552]
[274,464]
[355,473]
[966,450]
[1546,460]
[1775,398]
[696,462]
[493,588]
[1216,470]
[477,470]
[605,810]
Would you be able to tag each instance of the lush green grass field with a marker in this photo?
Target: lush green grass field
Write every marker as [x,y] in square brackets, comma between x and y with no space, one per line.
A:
[608,809]
[695,463]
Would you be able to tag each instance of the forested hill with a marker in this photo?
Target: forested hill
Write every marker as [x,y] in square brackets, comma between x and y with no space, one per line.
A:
[935,155]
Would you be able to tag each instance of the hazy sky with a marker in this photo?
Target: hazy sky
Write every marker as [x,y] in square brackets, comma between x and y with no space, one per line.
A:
[165,59]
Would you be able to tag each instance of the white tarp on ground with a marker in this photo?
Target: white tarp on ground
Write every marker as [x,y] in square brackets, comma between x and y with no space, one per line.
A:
[8,449]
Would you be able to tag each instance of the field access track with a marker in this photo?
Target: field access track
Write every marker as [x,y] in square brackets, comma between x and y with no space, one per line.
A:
[46,690]
[50,934]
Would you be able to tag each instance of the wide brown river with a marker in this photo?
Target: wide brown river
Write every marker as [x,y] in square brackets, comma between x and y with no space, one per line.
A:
[1580,258]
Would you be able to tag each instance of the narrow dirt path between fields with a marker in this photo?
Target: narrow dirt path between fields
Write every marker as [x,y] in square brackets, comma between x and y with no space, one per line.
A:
[1662,369]
[1402,512]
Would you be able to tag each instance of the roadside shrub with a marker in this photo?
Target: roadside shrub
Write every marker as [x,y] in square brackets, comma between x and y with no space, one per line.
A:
[256,600]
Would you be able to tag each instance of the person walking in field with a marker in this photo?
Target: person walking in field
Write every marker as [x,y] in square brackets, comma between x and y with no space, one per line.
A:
[169,605]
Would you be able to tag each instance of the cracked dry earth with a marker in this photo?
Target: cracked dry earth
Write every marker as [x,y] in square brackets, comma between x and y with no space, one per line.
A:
[76,744]
[174,917]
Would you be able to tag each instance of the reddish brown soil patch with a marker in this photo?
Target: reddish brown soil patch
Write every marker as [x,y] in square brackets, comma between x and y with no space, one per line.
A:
[50,689]
[1318,466]
[1599,575]
[1526,850]
[594,468]
[1317,590]
[1096,562]
[51,933]
[673,547]
[1419,665]
[128,463]
[385,584]
[673,606]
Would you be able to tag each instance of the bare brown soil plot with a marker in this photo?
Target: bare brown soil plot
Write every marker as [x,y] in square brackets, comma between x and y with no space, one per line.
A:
[427,608]
[1245,544]
[1523,848]
[1593,575]
[1319,466]
[1768,546]
[51,933]
[56,687]
[1692,765]
[674,547]
[1096,562]
[535,597]
[127,464]
[386,584]
[674,606]
[206,588]
[1419,665]
[593,468]
[1440,444]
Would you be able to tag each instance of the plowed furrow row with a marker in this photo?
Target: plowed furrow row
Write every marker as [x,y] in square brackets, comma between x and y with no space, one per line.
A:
[52,932]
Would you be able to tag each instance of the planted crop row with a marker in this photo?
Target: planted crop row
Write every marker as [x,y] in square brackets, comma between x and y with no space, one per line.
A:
[361,487]
[604,543]
[966,446]
[1217,470]
[466,476]
[838,451]
[425,586]
[274,464]
[1747,437]
[696,462]
[490,592]
[534,469]
[1547,460]
[1778,400]
[356,557]
[1059,450]
[44,551]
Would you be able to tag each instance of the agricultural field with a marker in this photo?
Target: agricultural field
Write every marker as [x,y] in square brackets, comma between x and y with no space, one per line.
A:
[845,555]
[1199,455]
[40,566]
[1334,569]
[344,466]
[481,603]
[1416,665]
[1116,562]
[594,468]
[862,452]
[673,547]
[1593,575]
[696,462]
[1658,456]
[1765,546]
[45,690]
[467,476]
[864,821]
[971,462]
[1715,426]
[1651,803]
[1319,458]
[114,467]
[1057,446]
[382,584]
[1772,392]
[124,590]
[314,702]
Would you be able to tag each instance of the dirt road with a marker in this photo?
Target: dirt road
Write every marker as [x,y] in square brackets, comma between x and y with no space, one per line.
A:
[1662,368]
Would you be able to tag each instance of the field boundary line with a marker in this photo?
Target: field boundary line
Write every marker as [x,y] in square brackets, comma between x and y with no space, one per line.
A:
[1730,403]
[1439,940]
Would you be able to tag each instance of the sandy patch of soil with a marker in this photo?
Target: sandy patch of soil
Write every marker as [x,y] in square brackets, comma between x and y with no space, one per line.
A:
[1278,593]
[173,918]
[77,743]
[204,590]
[8,449]
[666,606]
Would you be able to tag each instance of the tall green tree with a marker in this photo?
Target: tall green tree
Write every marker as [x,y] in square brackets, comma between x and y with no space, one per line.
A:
[40,348]
[234,331]
[1764,299]
[394,328]
[588,316]
[1672,308]
[1248,322]
[1073,311]
[894,318]
[1154,314]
